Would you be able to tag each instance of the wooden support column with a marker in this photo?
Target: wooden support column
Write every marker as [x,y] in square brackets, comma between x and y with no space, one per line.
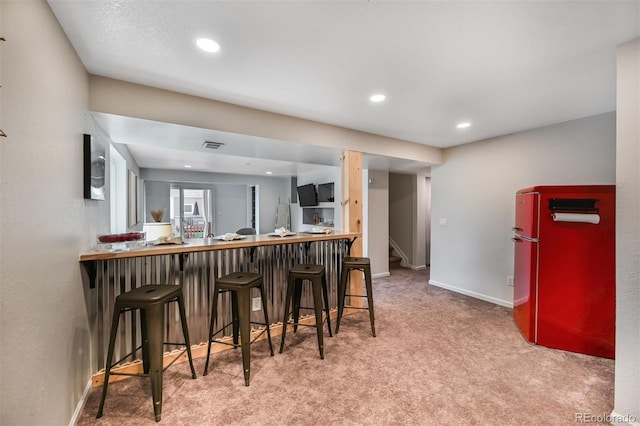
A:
[351,168]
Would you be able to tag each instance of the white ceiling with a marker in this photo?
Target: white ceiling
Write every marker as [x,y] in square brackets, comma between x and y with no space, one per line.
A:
[505,66]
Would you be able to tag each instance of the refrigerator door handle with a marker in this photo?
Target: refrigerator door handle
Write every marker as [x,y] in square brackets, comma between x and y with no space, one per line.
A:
[525,238]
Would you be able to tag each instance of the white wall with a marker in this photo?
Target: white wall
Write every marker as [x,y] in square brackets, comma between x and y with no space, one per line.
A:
[377,221]
[627,386]
[474,190]
[44,221]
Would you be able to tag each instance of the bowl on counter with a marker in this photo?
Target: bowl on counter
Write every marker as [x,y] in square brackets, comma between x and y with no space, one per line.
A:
[123,241]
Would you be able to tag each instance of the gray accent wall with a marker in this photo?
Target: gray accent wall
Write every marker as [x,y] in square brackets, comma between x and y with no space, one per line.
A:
[231,208]
[157,195]
[271,191]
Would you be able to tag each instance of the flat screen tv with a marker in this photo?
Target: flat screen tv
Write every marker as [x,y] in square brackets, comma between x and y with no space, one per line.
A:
[325,192]
[307,195]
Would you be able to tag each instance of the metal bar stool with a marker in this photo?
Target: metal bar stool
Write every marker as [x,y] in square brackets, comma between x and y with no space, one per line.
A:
[297,276]
[350,264]
[240,285]
[151,301]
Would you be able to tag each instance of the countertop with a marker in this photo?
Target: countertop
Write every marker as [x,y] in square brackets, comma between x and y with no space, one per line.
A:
[209,244]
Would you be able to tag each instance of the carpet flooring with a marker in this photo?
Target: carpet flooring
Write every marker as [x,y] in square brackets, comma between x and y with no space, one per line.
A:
[439,358]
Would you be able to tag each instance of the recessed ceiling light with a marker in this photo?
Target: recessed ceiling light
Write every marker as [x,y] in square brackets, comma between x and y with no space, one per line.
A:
[269,173]
[378,97]
[208,45]
[187,166]
[463,125]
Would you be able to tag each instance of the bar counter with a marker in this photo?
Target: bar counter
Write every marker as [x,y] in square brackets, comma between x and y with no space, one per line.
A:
[209,244]
[196,264]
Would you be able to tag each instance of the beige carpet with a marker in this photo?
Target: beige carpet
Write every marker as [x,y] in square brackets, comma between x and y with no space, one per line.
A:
[440,358]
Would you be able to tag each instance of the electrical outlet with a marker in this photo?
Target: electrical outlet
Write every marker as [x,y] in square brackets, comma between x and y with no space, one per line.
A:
[256,304]
[510,281]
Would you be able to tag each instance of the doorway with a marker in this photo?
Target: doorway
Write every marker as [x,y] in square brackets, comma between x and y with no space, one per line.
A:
[191,210]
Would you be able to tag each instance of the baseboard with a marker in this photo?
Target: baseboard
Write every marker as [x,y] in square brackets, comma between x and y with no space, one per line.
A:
[81,404]
[380,275]
[473,294]
[418,268]
[622,419]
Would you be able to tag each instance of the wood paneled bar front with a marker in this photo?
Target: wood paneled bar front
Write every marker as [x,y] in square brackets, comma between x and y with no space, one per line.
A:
[196,265]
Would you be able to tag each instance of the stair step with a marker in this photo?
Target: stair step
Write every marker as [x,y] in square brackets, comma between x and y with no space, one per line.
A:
[395,259]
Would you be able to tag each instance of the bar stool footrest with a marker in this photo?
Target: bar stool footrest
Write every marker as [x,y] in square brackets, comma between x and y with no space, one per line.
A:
[356,307]
[124,357]
[235,345]
[115,373]
[291,322]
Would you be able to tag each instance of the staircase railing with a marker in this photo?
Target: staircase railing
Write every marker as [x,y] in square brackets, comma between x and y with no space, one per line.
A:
[396,248]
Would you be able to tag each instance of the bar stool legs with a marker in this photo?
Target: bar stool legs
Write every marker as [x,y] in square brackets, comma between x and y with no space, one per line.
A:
[240,285]
[112,338]
[361,264]
[151,301]
[316,275]
[154,352]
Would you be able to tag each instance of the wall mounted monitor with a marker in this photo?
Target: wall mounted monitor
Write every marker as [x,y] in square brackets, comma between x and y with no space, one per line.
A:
[307,195]
[325,192]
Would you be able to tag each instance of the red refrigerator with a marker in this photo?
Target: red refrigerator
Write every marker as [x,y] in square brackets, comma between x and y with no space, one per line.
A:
[564,272]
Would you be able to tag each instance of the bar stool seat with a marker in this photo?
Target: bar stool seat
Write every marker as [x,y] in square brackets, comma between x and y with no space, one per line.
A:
[298,274]
[151,301]
[354,264]
[240,285]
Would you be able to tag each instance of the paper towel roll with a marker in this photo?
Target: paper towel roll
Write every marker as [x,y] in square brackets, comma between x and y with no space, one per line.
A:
[576,217]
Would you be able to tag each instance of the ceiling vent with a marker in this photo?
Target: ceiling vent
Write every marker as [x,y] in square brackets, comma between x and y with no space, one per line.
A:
[212,145]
